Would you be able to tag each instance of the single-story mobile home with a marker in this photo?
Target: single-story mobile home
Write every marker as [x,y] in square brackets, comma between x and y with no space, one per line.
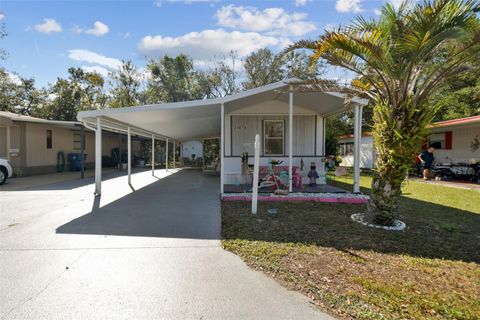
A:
[288,116]
[455,141]
[32,145]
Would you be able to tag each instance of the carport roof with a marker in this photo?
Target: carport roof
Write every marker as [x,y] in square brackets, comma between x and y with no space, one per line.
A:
[201,118]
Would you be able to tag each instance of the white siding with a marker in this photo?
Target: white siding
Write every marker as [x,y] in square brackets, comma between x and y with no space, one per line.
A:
[461,151]
[366,153]
[244,129]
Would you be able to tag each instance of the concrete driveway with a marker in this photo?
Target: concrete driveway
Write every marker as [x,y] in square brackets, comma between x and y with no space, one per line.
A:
[152,253]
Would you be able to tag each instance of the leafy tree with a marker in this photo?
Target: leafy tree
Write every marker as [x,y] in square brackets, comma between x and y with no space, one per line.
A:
[7,92]
[20,95]
[63,101]
[125,85]
[174,79]
[262,67]
[80,91]
[92,86]
[296,64]
[221,78]
[28,98]
[459,96]
[401,59]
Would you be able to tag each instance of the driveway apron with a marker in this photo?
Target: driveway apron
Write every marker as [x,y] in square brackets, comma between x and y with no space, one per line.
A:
[146,251]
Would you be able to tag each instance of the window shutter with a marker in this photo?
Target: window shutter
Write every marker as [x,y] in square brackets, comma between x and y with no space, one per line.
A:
[448,140]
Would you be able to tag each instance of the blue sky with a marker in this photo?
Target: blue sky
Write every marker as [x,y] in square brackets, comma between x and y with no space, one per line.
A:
[45,38]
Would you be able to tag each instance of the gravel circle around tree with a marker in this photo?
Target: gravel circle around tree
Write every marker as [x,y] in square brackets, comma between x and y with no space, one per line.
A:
[396,226]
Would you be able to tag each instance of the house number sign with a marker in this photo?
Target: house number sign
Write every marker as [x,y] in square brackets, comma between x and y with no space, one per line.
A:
[239,127]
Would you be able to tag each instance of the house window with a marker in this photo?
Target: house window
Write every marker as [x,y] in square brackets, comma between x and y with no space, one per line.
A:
[273,137]
[437,140]
[77,141]
[49,139]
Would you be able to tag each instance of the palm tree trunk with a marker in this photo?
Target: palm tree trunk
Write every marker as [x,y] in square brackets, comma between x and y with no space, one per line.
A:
[386,192]
[397,137]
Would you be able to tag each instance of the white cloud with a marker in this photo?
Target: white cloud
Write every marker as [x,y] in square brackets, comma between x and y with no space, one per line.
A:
[377,11]
[272,21]
[206,44]
[94,58]
[344,6]
[48,26]
[301,3]
[98,69]
[99,29]
[2,15]
[15,78]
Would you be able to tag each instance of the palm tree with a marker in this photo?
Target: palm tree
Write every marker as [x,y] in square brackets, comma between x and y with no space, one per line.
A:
[400,59]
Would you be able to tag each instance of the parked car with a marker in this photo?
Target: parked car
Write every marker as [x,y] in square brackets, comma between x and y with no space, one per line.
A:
[5,170]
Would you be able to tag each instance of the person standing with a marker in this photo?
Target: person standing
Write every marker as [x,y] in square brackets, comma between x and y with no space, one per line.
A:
[426,157]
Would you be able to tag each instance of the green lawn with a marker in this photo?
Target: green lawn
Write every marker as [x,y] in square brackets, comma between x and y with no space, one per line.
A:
[429,271]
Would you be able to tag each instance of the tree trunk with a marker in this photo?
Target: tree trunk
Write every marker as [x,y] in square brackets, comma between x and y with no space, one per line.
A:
[397,133]
[383,205]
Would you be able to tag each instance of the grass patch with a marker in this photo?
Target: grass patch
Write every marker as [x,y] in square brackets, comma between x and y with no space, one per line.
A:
[429,271]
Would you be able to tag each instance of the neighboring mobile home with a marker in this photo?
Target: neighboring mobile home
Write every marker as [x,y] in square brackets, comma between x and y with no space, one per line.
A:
[32,144]
[455,141]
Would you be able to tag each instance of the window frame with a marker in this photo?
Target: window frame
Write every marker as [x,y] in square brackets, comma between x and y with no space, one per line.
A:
[77,144]
[442,141]
[49,138]
[265,138]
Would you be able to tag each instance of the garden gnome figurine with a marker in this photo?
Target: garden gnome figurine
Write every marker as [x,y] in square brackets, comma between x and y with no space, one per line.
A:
[313,175]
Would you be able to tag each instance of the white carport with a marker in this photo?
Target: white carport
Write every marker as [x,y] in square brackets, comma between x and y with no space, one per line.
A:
[183,121]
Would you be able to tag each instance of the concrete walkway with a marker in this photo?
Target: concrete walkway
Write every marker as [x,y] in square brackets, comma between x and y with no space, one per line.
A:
[149,254]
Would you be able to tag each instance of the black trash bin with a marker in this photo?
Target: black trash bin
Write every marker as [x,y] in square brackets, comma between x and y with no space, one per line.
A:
[75,161]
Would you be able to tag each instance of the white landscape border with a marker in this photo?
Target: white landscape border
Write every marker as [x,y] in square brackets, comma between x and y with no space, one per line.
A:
[396,226]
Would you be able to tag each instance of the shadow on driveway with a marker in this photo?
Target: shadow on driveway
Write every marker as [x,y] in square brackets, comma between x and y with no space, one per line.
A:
[182,205]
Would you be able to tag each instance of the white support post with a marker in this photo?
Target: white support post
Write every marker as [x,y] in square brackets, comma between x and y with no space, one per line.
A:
[357,136]
[9,146]
[166,155]
[129,155]
[182,163]
[222,146]
[256,168]
[324,142]
[174,151]
[290,140]
[153,155]
[98,158]
[203,154]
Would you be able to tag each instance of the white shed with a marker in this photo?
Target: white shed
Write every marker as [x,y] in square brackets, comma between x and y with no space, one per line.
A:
[192,149]
[367,150]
